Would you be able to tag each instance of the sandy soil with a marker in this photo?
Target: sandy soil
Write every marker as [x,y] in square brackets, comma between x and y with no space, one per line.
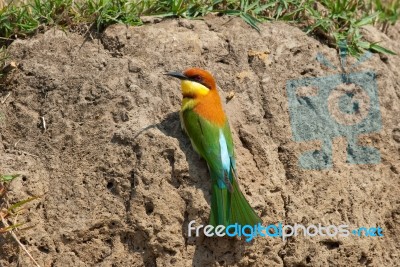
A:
[120,182]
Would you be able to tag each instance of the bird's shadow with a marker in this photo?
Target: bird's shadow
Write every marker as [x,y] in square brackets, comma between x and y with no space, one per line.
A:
[198,170]
[208,250]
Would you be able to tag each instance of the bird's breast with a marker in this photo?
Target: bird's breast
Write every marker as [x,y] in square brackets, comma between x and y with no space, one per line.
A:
[210,108]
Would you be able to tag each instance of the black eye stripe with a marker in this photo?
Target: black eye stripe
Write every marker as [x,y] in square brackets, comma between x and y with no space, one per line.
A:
[196,78]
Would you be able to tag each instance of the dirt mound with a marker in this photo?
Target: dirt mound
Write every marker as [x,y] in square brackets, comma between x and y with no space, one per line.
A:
[93,127]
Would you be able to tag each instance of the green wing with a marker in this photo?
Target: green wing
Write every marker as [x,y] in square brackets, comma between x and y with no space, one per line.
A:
[228,204]
[205,138]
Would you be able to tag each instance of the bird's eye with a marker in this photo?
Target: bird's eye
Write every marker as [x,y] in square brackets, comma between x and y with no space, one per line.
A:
[197,78]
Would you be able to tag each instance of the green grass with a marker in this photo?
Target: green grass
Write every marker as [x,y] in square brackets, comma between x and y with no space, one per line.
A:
[343,21]
[5,212]
[330,20]
[3,57]
[8,212]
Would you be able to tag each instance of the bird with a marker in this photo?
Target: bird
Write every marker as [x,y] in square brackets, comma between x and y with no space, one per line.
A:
[203,119]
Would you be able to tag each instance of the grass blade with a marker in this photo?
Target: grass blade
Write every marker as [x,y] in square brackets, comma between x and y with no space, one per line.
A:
[20,203]
[380,49]
[8,177]
[250,20]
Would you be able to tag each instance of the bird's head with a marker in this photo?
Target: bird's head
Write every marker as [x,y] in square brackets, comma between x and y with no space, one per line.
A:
[195,82]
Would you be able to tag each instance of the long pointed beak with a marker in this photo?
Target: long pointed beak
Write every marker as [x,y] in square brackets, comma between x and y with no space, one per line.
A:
[177,75]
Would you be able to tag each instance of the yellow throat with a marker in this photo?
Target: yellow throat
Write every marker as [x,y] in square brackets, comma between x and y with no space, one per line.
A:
[190,88]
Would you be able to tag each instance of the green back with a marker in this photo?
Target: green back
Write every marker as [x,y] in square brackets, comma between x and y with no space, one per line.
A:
[205,139]
[228,204]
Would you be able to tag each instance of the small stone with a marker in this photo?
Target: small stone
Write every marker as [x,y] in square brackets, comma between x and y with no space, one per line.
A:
[230,95]
[396,135]
[150,19]
[133,67]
